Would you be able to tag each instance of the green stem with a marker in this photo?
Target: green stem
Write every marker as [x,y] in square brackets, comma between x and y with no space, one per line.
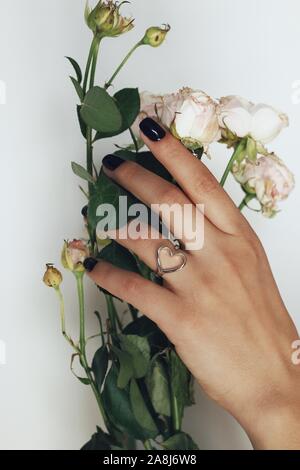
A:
[108,84]
[63,320]
[246,201]
[238,150]
[176,421]
[82,342]
[136,147]
[94,63]
[95,44]
[112,315]
[148,445]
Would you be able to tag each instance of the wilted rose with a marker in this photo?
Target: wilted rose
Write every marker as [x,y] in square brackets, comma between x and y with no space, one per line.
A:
[73,255]
[196,122]
[241,118]
[268,179]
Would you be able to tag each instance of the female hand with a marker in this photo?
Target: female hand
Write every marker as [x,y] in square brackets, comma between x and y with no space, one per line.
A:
[222,311]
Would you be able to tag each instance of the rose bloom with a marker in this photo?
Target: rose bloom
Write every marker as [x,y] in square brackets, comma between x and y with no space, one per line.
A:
[242,118]
[73,255]
[190,115]
[269,179]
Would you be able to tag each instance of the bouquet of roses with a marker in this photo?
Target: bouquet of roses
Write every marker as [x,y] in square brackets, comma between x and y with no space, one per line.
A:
[140,384]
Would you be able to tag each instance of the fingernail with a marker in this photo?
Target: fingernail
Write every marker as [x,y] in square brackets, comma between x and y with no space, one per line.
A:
[112,162]
[89,264]
[84,211]
[152,130]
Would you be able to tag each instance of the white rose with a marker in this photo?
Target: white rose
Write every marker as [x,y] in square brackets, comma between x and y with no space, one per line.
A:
[269,179]
[196,121]
[242,118]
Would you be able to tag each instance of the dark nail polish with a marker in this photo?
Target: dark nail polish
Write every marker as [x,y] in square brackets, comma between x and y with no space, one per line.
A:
[84,211]
[89,264]
[112,162]
[152,130]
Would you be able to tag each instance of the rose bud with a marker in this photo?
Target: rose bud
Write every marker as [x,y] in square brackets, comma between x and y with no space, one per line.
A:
[52,277]
[73,255]
[105,20]
[268,179]
[155,36]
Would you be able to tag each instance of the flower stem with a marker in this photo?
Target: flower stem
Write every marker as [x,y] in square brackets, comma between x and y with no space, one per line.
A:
[148,445]
[108,84]
[112,315]
[91,56]
[238,150]
[82,342]
[176,421]
[63,320]
[245,201]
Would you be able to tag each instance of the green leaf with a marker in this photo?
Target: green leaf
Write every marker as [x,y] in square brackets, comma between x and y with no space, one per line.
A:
[100,365]
[106,191]
[76,68]
[82,173]
[180,441]
[117,401]
[139,349]
[158,388]
[143,326]
[140,410]
[126,371]
[82,124]
[128,102]
[100,111]
[78,88]
[119,257]
[180,379]
[84,380]
[99,441]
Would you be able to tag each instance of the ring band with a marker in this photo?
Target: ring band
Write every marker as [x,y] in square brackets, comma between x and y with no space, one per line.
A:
[175,253]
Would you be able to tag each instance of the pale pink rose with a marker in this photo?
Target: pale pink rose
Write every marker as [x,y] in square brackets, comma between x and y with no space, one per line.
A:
[73,255]
[196,121]
[242,118]
[269,179]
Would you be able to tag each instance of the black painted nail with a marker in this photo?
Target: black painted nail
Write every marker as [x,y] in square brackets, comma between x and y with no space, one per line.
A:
[89,264]
[84,211]
[152,130]
[112,162]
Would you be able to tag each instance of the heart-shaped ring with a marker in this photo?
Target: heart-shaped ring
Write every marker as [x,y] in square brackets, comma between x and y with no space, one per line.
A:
[170,261]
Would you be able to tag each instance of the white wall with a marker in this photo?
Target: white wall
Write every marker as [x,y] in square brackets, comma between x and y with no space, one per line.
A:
[247,47]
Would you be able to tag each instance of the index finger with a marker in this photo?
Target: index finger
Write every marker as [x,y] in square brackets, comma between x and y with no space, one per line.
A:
[193,176]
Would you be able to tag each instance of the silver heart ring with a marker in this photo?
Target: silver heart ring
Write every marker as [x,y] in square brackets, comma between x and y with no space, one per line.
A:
[170,260]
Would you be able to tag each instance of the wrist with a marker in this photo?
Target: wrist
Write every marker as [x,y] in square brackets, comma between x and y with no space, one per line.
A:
[277,430]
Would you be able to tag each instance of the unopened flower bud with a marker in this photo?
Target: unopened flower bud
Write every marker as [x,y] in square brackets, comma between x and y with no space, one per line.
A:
[73,255]
[52,277]
[155,36]
[105,20]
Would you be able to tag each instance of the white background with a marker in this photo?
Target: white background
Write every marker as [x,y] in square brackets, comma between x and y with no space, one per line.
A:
[246,47]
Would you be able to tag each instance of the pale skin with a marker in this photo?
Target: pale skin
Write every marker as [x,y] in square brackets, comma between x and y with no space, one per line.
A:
[223,311]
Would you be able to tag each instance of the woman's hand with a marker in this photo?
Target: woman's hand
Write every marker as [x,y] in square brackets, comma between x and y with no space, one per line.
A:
[222,311]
